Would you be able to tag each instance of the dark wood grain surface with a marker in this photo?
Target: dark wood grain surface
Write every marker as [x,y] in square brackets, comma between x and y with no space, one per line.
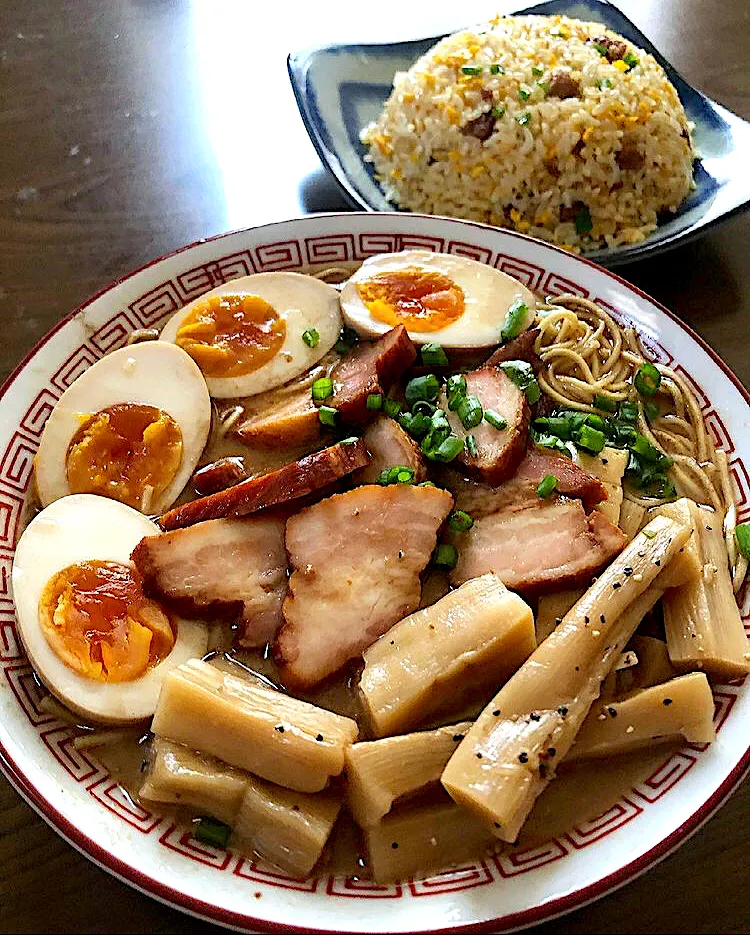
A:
[130,127]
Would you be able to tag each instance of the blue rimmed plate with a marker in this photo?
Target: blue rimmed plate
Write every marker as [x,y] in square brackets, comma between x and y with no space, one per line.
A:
[341,88]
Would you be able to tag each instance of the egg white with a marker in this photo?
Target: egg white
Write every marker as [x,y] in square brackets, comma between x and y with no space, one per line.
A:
[488,294]
[302,302]
[78,528]
[149,374]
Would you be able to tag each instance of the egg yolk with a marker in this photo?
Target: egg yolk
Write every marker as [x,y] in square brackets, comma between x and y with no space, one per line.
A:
[127,452]
[231,335]
[422,300]
[97,619]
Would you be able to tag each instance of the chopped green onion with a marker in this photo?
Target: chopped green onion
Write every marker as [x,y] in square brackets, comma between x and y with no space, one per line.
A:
[415,423]
[374,402]
[471,69]
[605,403]
[523,119]
[495,419]
[601,49]
[460,521]
[470,412]
[605,83]
[742,535]
[591,439]
[422,407]
[213,832]
[546,485]
[496,69]
[544,85]
[652,410]
[537,71]
[514,320]
[522,375]
[498,112]
[347,339]
[433,355]
[327,415]
[392,408]
[628,412]
[649,533]
[448,449]
[647,380]
[544,440]
[524,92]
[630,60]
[455,389]
[445,556]
[399,474]
[351,440]
[426,483]
[650,453]
[322,389]
[422,388]
[311,337]
[471,445]
[583,221]
[595,421]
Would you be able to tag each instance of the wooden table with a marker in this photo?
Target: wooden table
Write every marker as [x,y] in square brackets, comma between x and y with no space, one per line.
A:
[130,127]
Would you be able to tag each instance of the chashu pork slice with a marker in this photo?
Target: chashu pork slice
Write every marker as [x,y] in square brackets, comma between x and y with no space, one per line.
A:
[548,547]
[295,480]
[519,491]
[389,446]
[233,569]
[371,367]
[356,559]
[499,451]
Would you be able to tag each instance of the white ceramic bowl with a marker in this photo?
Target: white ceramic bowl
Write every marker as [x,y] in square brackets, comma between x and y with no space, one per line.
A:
[75,795]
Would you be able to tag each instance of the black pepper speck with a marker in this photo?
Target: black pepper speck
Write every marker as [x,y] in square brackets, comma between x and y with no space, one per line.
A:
[394,845]
[616,585]
[457,738]
[496,713]
[279,728]
[602,618]
[667,701]
[612,712]
[319,738]
[523,757]
[479,756]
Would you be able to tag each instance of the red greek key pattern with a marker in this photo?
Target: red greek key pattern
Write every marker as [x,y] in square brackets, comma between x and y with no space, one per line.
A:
[602,825]
[10,645]
[415,242]
[81,359]
[17,464]
[181,841]
[28,693]
[555,284]
[116,800]
[285,254]
[370,244]
[453,881]
[472,252]
[527,273]
[154,306]
[259,872]
[718,431]
[335,248]
[59,741]
[38,412]
[515,862]
[11,506]
[201,279]
[666,776]
[113,334]
[354,888]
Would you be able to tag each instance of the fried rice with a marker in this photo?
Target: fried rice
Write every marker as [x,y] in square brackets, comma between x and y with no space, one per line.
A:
[551,126]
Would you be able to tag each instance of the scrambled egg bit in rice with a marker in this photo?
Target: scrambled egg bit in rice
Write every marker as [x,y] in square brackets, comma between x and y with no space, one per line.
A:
[547,125]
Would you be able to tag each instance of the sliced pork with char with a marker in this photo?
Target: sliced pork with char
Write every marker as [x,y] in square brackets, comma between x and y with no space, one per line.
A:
[291,423]
[372,367]
[499,451]
[230,569]
[519,492]
[520,348]
[389,446]
[547,547]
[219,475]
[356,559]
[290,482]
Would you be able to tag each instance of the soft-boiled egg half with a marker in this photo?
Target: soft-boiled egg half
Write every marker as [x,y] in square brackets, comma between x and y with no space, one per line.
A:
[96,641]
[254,333]
[451,300]
[132,427]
